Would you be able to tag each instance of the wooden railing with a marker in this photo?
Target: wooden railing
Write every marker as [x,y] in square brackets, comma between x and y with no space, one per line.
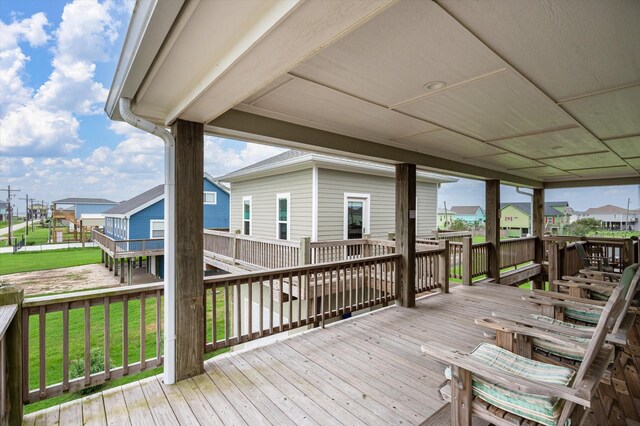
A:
[479,259]
[517,251]
[288,298]
[431,269]
[337,250]
[255,251]
[124,248]
[455,250]
[56,327]
[7,314]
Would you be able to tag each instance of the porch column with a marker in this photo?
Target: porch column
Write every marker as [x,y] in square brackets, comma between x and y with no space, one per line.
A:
[492,203]
[184,333]
[538,232]
[406,233]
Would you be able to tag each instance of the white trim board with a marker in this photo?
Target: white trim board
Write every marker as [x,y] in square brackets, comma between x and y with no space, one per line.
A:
[314,203]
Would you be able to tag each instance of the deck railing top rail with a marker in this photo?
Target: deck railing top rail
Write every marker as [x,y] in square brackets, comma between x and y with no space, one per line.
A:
[37,301]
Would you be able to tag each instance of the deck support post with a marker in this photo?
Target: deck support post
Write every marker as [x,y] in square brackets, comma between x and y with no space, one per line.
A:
[12,349]
[538,232]
[184,254]
[467,253]
[406,233]
[492,198]
[444,261]
[130,263]
[122,270]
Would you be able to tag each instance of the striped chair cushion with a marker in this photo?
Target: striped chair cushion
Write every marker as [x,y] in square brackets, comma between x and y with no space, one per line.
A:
[626,279]
[596,295]
[542,409]
[557,349]
[584,315]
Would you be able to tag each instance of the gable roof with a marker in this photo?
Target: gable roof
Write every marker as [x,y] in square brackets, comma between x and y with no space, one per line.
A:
[73,200]
[136,202]
[609,209]
[284,161]
[465,209]
[549,210]
[448,212]
[147,198]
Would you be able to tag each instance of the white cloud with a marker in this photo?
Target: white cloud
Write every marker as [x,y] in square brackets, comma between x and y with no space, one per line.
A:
[219,160]
[30,29]
[44,122]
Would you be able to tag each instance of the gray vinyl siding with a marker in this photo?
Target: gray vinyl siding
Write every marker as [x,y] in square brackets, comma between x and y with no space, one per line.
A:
[263,193]
[333,184]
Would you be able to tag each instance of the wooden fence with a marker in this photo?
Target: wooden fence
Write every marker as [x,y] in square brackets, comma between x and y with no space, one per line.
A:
[77,319]
[338,250]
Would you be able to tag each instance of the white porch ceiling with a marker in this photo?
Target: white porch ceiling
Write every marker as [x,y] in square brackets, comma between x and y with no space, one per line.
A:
[548,91]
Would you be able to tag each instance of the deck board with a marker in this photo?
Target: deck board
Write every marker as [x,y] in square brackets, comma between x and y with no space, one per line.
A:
[365,370]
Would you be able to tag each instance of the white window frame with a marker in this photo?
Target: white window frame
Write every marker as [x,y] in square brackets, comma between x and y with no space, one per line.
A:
[151,222]
[215,198]
[287,196]
[250,200]
[366,213]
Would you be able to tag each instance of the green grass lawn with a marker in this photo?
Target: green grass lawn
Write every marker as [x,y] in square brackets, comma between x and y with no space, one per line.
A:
[36,261]
[16,220]
[37,236]
[53,335]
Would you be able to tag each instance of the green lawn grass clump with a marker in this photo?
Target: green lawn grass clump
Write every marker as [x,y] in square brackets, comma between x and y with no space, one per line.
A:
[36,236]
[51,259]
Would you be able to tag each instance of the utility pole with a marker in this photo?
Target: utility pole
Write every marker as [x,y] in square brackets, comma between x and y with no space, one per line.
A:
[32,217]
[9,208]
[26,215]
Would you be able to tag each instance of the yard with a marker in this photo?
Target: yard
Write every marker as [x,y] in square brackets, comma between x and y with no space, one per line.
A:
[39,235]
[51,259]
[15,221]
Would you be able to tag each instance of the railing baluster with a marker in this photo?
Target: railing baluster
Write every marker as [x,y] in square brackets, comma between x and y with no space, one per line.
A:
[65,347]
[250,308]
[281,316]
[26,385]
[238,288]
[159,327]
[107,338]
[43,347]
[143,331]
[261,318]
[290,301]
[125,334]
[87,343]
[214,327]
[270,303]
[226,313]
[298,323]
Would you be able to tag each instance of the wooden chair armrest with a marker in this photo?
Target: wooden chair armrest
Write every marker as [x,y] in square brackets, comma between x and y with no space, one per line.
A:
[588,281]
[563,303]
[606,274]
[566,297]
[450,356]
[586,286]
[531,331]
[532,322]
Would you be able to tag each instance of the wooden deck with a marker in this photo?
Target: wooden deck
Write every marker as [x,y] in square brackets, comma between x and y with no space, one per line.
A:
[366,370]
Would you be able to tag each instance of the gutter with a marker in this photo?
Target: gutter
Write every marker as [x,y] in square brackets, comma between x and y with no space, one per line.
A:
[169,234]
[530,195]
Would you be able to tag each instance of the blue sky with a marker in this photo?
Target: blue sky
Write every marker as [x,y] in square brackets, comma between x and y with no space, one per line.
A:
[57,60]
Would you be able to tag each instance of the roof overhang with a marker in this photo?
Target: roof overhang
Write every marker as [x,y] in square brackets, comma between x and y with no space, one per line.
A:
[535,94]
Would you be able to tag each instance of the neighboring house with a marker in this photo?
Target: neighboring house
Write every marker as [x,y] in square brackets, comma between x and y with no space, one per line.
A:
[469,214]
[445,218]
[515,218]
[298,194]
[84,205]
[142,217]
[614,217]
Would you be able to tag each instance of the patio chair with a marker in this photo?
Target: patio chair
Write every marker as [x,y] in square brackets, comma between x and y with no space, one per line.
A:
[490,381]
[598,263]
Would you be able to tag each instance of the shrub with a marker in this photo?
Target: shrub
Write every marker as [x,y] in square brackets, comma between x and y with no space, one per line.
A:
[76,368]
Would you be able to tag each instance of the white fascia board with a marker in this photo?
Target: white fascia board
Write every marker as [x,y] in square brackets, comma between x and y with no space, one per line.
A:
[214,182]
[150,23]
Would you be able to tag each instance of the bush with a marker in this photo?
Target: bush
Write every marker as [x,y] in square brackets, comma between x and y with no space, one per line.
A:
[459,225]
[76,368]
[584,226]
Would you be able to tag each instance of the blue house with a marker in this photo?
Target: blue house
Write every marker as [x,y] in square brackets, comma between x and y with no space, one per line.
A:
[469,214]
[142,217]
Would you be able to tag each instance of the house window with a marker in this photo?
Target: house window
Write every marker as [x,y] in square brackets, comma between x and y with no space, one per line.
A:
[157,229]
[246,215]
[210,197]
[282,216]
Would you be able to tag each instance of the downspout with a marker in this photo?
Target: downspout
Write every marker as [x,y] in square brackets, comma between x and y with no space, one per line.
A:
[169,234]
[520,191]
